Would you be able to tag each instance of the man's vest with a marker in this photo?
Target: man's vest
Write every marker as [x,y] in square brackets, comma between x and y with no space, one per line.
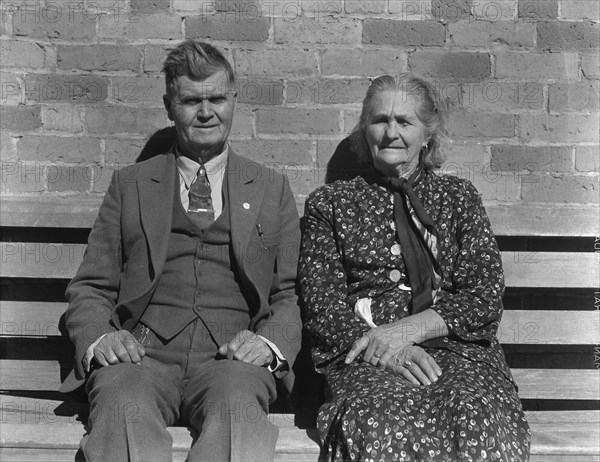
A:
[199,276]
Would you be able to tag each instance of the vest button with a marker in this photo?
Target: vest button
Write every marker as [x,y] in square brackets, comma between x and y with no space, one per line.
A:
[395,249]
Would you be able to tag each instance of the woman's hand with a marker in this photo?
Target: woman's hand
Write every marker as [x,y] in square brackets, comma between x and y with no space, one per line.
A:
[415,365]
[389,346]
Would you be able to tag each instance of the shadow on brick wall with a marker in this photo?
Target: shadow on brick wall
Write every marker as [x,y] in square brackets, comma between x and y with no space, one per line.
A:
[159,143]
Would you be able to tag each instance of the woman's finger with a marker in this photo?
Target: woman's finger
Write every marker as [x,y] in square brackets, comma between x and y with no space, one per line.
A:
[386,359]
[434,365]
[357,347]
[371,354]
[421,359]
[416,370]
[408,375]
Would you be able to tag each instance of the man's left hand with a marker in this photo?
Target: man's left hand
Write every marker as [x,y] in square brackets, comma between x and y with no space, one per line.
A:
[249,348]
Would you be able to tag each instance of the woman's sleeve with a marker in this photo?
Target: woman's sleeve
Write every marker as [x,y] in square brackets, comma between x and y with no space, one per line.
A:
[472,306]
[328,318]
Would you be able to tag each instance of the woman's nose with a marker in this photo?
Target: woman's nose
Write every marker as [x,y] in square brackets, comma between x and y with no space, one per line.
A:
[392,131]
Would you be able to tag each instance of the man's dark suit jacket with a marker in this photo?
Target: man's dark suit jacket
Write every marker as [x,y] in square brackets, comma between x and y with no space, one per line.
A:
[127,250]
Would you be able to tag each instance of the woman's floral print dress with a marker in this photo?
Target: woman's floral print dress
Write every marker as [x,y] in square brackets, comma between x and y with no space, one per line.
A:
[350,251]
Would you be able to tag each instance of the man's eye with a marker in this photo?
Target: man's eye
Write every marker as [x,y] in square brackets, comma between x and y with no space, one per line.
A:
[218,100]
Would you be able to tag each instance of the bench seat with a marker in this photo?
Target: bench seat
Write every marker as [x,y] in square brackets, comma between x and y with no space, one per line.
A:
[33,431]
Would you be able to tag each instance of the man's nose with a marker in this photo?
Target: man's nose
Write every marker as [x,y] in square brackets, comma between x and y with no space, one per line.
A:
[205,110]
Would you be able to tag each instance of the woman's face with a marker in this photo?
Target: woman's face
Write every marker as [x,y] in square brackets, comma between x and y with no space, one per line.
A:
[394,133]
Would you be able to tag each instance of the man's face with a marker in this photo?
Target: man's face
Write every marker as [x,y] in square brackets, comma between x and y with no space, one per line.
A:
[202,111]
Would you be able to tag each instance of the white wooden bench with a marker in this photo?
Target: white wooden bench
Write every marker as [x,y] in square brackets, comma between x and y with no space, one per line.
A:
[550,330]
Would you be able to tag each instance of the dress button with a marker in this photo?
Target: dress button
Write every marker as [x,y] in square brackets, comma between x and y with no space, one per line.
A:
[395,275]
[396,249]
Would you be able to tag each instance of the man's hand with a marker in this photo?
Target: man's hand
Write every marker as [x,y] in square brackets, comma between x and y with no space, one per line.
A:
[249,348]
[118,347]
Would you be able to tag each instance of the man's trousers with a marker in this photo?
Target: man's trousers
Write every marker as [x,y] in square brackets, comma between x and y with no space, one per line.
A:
[225,402]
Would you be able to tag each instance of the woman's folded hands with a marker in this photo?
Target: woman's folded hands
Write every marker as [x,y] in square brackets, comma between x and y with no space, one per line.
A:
[391,346]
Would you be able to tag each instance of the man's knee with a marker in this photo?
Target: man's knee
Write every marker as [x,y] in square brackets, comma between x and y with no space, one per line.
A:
[239,392]
[124,385]
[237,381]
[118,378]
[237,406]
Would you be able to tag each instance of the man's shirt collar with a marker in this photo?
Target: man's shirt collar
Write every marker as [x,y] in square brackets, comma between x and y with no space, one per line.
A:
[189,168]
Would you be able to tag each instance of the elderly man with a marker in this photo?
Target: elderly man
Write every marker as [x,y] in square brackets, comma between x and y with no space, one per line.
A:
[184,308]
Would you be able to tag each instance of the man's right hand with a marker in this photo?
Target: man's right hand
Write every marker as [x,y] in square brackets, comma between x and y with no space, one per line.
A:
[115,347]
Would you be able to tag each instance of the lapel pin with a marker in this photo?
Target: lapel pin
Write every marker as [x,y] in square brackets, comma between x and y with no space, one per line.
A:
[246,205]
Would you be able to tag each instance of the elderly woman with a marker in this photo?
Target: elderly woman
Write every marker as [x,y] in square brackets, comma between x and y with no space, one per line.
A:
[401,282]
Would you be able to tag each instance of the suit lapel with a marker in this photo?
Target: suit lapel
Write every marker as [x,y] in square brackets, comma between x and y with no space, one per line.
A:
[156,194]
[246,189]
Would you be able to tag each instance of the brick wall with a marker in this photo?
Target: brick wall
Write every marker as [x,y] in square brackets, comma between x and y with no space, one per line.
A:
[81,86]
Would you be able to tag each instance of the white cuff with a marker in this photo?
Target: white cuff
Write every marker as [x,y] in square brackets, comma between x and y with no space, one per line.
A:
[280,360]
[89,354]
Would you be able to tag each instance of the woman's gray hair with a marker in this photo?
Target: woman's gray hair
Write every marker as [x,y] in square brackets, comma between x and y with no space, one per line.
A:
[430,111]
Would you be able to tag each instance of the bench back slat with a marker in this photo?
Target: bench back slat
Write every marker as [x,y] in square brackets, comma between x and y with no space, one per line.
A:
[521,269]
[507,220]
[537,327]
[533,383]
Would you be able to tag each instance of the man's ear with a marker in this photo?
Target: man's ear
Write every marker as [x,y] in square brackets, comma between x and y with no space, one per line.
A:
[167,103]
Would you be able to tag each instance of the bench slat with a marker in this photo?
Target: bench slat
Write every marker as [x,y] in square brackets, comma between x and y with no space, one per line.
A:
[67,436]
[560,384]
[543,220]
[540,327]
[49,212]
[550,269]
[559,439]
[521,269]
[545,327]
[40,260]
[27,410]
[62,455]
[507,220]
[31,318]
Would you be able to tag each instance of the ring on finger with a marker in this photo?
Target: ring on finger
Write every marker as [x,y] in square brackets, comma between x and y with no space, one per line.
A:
[407,363]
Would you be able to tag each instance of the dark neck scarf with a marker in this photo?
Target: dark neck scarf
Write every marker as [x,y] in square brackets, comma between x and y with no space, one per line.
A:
[418,238]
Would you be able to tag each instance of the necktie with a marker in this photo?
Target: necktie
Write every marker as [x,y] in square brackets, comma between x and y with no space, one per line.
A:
[200,209]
